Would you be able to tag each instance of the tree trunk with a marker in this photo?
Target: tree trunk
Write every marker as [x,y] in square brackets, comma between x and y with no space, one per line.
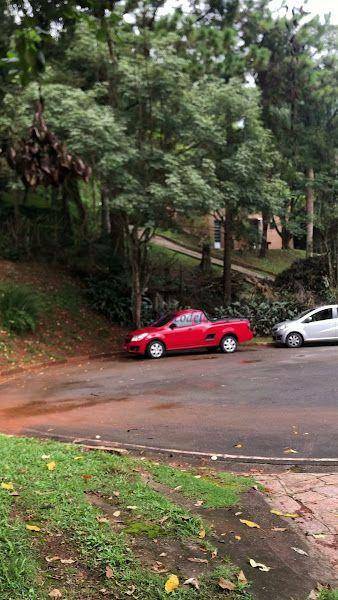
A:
[105,217]
[286,237]
[205,264]
[136,278]
[309,211]
[228,242]
[264,241]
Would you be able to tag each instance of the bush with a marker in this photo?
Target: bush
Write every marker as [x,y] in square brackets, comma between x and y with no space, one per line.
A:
[19,308]
[111,296]
[263,313]
[306,275]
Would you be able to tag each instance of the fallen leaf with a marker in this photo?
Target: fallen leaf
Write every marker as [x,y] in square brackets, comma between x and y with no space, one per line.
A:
[225,584]
[55,593]
[52,559]
[159,567]
[279,513]
[318,536]
[33,528]
[241,578]
[259,566]
[214,553]
[250,523]
[116,513]
[109,572]
[116,494]
[193,582]
[7,486]
[102,519]
[131,507]
[131,589]
[163,554]
[198,503]
[238,537]
[78,457]
[67,561]
[214,457]
[177,488]
[238,445]
[197,476]
[171,584]
[278,528]
[313,595]
[45,456]
[202,534]
[290,451]
[198,560]
[86,477]
[238,513]
[299,551]
[51,465]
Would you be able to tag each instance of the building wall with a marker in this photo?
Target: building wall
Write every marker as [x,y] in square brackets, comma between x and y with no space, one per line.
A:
[216,233]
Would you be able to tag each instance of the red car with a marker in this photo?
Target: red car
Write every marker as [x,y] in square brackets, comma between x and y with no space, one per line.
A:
[186,330]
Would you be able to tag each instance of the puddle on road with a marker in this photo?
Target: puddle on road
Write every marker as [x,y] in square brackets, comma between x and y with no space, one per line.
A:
[41,407]
[165,406]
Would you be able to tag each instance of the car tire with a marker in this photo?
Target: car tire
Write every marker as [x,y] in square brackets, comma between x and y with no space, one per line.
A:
[156,349]
[294,340]
[229,344]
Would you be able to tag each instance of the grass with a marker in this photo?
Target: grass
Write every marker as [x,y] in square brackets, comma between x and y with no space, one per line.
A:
[215,494]
[275,262]
[328,595]
[89,507]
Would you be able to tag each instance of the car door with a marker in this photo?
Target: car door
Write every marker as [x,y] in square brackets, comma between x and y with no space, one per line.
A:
[198,330]
[320,325]
[178,335]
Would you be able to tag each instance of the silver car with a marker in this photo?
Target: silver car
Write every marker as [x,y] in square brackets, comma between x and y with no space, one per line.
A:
[316,324]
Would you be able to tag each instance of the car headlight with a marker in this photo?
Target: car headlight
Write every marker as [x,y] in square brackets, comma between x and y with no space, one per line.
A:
[138,338]
[281,327]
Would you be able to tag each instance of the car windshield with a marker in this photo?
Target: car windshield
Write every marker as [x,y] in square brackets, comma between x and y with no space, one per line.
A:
[305,312]
[163,320]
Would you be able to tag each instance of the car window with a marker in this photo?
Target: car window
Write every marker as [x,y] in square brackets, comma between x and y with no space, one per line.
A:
[163,320]
[183,320]
[197,318]
[322,315]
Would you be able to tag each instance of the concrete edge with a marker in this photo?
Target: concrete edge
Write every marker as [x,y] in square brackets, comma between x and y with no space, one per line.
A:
[107,445]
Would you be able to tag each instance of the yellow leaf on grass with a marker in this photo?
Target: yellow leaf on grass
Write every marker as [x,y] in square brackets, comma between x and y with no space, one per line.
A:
[290,451]
[279,513]
[202,534]
[78,457]
[33,528]
[241,578]
[250,523]
[51,465]
[225,584]
[7,486]
[171,584]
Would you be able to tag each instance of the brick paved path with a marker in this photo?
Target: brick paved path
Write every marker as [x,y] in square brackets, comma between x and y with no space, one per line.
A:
[314,496]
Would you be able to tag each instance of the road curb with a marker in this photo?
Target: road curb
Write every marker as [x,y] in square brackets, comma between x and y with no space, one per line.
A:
[242,458]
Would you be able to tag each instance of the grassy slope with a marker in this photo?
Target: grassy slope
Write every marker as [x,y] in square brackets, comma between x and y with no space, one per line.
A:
[74,529]
[275,262]
[67,326]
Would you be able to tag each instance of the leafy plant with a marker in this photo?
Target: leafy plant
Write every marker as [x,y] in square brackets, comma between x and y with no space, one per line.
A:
[19,308]
[110,295]
[306,275]
[262,313]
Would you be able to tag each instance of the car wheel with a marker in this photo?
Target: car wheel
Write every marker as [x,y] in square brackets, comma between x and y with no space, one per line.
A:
[229,344]
[294,340]
[156,349]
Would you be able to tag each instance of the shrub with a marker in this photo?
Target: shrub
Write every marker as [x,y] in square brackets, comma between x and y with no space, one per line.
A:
[111,296]
[19,308]
[263,313]
[306,275]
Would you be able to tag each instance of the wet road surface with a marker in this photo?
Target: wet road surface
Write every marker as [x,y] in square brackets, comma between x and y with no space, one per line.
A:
[265,399]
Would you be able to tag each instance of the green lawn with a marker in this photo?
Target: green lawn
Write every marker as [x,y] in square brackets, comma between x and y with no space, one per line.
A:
[275,262]
[70,520]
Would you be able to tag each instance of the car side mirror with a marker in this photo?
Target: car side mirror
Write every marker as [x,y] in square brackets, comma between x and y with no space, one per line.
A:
[172,326]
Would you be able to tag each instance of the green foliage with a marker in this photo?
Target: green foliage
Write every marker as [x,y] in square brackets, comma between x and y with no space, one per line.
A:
[262,313]
[306,275]
[19,308]
[110,295]
[328,595]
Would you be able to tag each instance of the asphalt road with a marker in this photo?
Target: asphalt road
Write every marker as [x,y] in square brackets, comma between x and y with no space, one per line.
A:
[266,399]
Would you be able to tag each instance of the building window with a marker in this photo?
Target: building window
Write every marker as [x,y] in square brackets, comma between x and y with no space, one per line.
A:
[217,233]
